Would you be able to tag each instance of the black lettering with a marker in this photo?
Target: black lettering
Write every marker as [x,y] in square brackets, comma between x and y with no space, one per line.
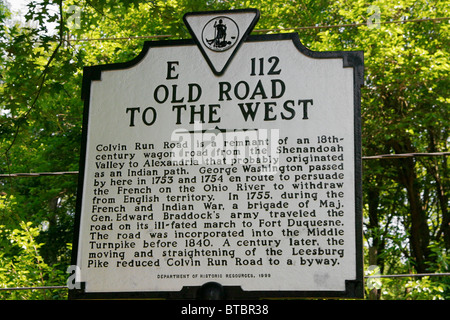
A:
[178,109]
[212,112]
[200,112]
[305,107]
[224,89]
[246,90]
[246,109]
[272,70]
[133,110]
[289,109]
[276,95]
[259,90]
[144,116]
[165,92]
[170,68]
[191,92]
[174,94]
[268,109]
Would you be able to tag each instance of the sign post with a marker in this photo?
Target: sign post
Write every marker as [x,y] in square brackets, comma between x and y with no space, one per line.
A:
[230,159]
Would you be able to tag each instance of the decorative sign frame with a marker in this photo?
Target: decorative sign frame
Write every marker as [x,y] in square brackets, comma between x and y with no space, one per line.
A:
[230,163]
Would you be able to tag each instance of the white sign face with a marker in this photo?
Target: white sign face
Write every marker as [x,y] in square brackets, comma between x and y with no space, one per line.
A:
[248,179]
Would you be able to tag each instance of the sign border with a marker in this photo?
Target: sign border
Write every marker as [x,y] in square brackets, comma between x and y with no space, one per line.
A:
[353,288]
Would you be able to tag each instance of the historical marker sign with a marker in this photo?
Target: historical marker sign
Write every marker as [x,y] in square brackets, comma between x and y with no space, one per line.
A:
[228,158]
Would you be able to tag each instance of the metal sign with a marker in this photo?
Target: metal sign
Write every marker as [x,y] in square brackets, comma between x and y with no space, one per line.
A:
[229,160]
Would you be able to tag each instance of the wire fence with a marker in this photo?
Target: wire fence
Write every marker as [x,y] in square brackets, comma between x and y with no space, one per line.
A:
[162,36]
[34,288]
[382,156]
[375,157]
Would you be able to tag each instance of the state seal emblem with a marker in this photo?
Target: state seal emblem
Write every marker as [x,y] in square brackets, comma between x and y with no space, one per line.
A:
[220,34]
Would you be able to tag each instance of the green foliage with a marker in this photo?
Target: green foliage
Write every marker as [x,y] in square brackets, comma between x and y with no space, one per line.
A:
[21,265]
[424,288]
[414,288]
[404,109]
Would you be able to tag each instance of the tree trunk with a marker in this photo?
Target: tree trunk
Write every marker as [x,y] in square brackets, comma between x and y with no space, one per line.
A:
[419,231]
[373,200]
[433,169]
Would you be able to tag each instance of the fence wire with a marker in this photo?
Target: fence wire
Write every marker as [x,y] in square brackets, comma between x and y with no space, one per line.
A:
[375,157]
[317,27]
